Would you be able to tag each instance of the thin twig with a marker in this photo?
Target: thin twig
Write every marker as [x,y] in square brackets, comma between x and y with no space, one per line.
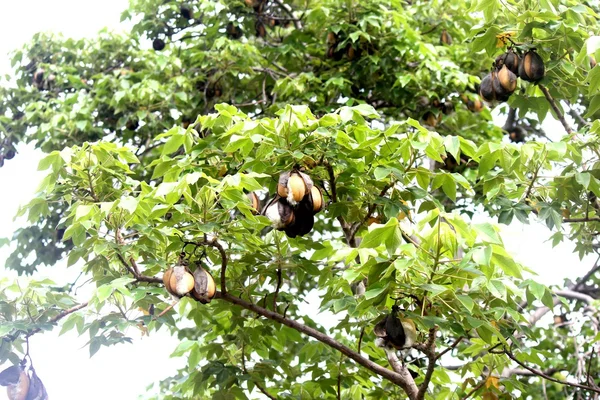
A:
[557,111]
[279,280]
[256,383]
[452,347]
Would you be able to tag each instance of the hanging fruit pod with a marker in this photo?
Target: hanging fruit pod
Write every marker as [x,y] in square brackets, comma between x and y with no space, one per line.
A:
[445,38]
[254,201]
[178,280]
[204,286]
[492,90]
[316,199]
[304,220]
[293,186]
[17,383]
[37,391]
[510,59]
[532,67]
[507,79]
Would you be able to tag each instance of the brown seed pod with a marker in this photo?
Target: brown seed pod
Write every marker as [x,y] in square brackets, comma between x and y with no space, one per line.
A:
[353,53]
[38,76]
[178,281]
[500,92]
[331,38]
[431,119]
[475,105]
[261,31]
[304,220]
[517,134]
[486,89]
[158,44]
[316,198]
[510,59]
[446,38]
[447,107]
[532,67]
[293,186]
[18,391]
[204,286]
[233,31]
[254,201]
[507,79]
[10,375]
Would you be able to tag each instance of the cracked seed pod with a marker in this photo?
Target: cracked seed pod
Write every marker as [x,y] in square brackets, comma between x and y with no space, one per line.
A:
[10,376]
[517,135]
[178,280]
[38,76]
[280,213]
[510,59]
[186,11]
[447,107]
[316,198]
[254,201]
[18,391]
[532,67]
[431,119]
[507,79]
[331,38]
[500,92]
[446,38]
[474,105]
[401,333]
[36,391]
[233,31]
[261,31]
[293,186]
[592,62]
[204,286]
[486,89]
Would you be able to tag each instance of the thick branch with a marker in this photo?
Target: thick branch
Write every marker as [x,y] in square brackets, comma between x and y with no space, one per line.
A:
[135,271]
[547,377]
[397,365]
[557,111]
[430,353]
[397,378]
[584,219]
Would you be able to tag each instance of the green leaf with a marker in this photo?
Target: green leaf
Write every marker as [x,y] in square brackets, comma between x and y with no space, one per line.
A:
[380,235]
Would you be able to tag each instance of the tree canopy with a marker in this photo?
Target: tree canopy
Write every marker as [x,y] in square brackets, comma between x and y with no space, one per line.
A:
[187,163]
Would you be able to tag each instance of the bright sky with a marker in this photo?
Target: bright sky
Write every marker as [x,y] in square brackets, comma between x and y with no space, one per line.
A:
[123,372]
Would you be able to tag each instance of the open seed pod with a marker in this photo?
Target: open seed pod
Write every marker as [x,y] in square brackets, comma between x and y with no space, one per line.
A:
[254,201]
[37,391]
[19,390]
[510,59]
[316,199]
[486,89]
[178,280]
[445,38]
[10,376]
[517,134]
[507,79]
[293,186]
[431,119]
[204,286]
[279,212]
[474,105]
[532,67]
[233,31]
[447,107]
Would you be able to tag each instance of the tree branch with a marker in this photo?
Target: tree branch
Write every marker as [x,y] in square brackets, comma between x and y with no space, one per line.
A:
[583,219]
[404,380]
[401,369]
[289,12]
[450,348]
[559,114]
[430,353]
[547,377]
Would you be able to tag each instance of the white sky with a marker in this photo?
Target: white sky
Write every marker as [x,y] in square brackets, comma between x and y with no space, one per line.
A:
[124,371]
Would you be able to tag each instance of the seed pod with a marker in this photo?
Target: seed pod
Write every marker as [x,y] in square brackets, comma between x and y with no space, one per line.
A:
[475,105]
[293,186]
[10,376]
[38,76]
[178,281]
[279,212]
[316,198]
[254,201]
[352,53]
[260,29]
[446,38]
[18,391]
[486,89]
[158,44]
[132,124]
[304,220]
[592,62]
[500,92]
[510,59]
[507,79]
[331,38]
[532,67]
[36,391]
[233,31]
[447,107]
[517,134]
[431,119]
[186,11]
[204,286]
[10,154]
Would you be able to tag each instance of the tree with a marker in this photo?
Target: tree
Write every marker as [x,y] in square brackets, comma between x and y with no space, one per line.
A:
[154,153]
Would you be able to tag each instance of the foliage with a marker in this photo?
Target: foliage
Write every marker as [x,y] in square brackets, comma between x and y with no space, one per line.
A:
[150,154]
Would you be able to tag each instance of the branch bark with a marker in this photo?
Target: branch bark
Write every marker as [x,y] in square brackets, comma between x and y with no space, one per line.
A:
[402,379]
[431,357]
[559,114]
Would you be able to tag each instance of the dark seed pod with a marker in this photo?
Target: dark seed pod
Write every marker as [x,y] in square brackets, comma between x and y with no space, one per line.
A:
[10,154]
[38,76]
[475,105]
[507,79]
[186,11]
[517,134]
[486,89]
[501,94]
[233,31]
[254,201]
[37,390]
[304,220]
[352,53]
[532,67]
[10,376]
[431,119]
[446,38]
[331,38]
[132,124]
[447,107]
[279,212]
[510,59]
[158,44]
